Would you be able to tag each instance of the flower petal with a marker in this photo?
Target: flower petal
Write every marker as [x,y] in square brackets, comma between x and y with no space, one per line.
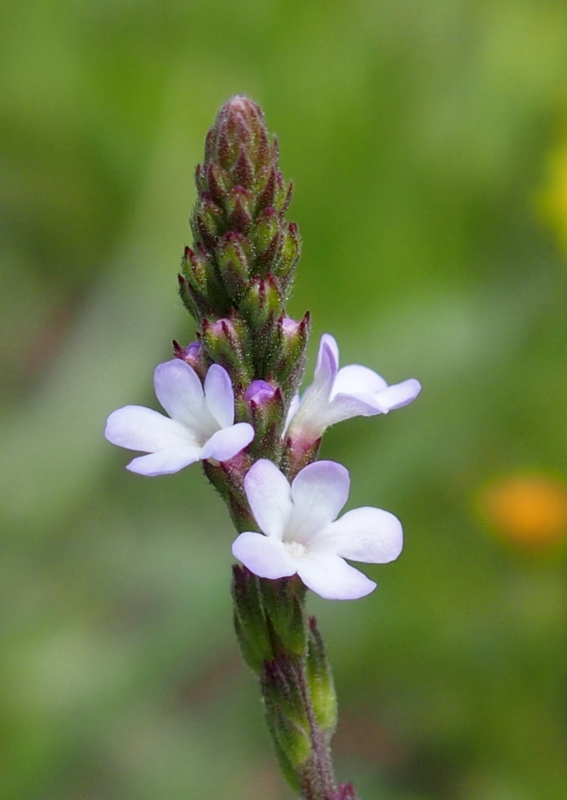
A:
[363,534]
[269,494]
[265,556]
[310,417]
[355,379]
[346,406]
[180,392]
[164,462]
[327,357]
[331,577]
[398,395]
[318,492]
[292,411]
[140,428]
[227,443]
[219,395]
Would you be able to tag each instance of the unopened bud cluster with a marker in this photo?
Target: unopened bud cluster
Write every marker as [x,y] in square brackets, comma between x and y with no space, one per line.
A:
[237,277]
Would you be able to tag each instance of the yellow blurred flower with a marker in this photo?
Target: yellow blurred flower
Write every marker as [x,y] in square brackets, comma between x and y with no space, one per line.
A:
[529,510]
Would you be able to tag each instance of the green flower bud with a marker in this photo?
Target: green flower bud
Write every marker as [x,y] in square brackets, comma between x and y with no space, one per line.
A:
[243,171]
[226,343]
[320,680]
[239,206]
[250,620]
[288,256]
[200,179]
[187,298]
[262,303]
[235,254]
[288,771]
[288,361]
[282,194]
[207,222]
[284,700]
[283,604]
[195,284]
[249,649]
[267,188]
[267,236]
[218,183]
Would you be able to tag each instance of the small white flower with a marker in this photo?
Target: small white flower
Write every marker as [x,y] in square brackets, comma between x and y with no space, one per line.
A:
[303,536]
[200,423]
[339,394]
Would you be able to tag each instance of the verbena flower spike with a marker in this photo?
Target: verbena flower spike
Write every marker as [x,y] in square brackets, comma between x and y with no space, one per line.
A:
[233,404]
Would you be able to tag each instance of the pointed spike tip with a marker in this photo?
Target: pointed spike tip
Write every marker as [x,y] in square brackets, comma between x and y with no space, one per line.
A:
[239,138]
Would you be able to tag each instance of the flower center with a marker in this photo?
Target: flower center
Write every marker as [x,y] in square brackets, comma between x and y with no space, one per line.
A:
[296,549]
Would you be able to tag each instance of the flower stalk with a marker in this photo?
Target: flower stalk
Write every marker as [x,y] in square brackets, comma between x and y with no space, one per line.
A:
[233,404]
[286,651]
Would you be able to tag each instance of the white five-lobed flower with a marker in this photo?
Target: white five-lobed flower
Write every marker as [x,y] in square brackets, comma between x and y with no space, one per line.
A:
[339,394]
[200,424]
[301,533]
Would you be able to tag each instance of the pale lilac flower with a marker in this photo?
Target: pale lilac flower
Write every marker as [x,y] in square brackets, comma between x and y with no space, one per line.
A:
[200,425]
[304,536]
[339,394]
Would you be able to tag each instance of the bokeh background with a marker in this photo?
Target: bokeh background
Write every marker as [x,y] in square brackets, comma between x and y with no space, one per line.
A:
[428,144]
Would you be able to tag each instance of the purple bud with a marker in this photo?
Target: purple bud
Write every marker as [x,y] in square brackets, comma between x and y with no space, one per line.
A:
[260,392]
[293,336]
[290,327]
[218,327]
[192,354]
[264,409]
[193,350]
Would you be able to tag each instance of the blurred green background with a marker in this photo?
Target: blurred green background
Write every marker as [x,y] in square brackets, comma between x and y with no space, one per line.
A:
[428,145]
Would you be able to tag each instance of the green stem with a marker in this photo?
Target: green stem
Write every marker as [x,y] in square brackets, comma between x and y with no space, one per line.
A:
[286,651]
[318,782]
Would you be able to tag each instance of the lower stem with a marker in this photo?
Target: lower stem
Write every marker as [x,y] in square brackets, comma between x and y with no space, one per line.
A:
[286,650]
[316,776]
[318,782]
